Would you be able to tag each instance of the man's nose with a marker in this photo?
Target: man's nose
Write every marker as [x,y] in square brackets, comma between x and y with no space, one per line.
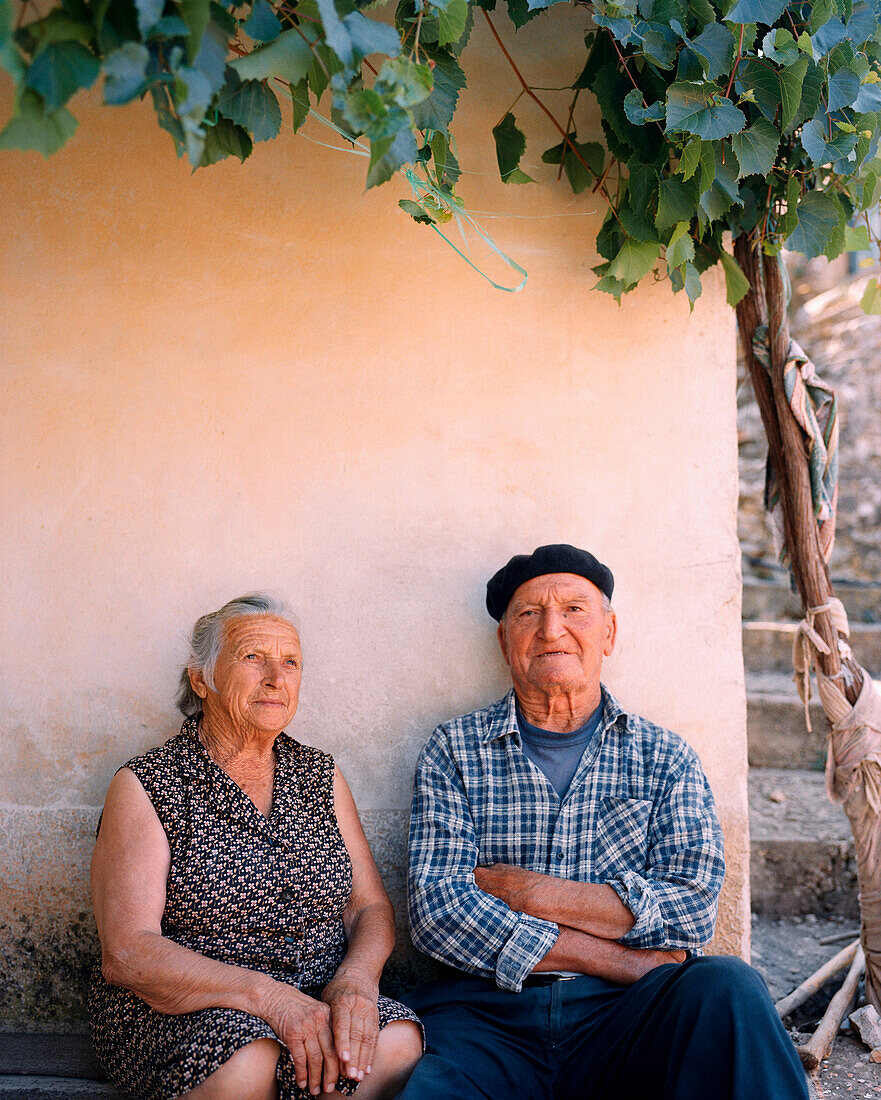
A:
[551,623]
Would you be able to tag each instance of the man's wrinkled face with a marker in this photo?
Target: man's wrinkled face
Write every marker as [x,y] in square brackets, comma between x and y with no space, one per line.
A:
[555,634]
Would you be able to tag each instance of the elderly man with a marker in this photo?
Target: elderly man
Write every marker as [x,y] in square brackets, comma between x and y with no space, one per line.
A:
[565,856]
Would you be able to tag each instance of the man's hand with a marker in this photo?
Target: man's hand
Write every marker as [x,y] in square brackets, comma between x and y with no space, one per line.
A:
[355,1020]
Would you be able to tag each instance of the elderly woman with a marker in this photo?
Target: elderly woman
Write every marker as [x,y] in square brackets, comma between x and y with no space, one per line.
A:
[242,919]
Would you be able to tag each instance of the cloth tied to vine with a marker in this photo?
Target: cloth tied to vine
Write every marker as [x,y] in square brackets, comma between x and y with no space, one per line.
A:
[853,770]
[815,409]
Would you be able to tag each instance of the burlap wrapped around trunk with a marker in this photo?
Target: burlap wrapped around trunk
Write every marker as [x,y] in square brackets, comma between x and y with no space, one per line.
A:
[853,774]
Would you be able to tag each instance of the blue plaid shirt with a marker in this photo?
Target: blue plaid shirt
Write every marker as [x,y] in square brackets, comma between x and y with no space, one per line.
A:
[638,815]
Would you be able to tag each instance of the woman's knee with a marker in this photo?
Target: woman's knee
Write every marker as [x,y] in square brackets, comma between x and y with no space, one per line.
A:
[249,1072]
[398,1050]
[401,1042]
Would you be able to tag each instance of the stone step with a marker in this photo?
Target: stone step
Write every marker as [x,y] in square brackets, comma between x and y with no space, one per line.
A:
[777,736]
[770,601]
[41,1064]
[55,1088]
[767,646]
[801,850]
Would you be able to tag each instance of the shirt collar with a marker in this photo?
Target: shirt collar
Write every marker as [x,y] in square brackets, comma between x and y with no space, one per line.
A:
[503,720]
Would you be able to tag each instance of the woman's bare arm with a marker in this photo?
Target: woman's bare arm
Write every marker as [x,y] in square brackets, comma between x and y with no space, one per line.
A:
[370,928]
[129,871]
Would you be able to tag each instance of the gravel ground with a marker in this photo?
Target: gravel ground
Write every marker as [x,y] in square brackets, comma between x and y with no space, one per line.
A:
[788,804]
[785,951]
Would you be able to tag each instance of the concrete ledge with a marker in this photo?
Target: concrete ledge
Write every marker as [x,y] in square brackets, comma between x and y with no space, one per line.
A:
[56,1088]
[48,1054]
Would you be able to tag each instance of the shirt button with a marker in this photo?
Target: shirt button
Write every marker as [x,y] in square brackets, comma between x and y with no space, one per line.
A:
[559,855]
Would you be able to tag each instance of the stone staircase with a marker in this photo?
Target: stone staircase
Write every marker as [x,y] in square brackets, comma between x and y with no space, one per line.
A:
[802,858]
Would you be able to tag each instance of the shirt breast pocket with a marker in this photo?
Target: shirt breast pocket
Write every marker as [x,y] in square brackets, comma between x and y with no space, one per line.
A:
[622,835]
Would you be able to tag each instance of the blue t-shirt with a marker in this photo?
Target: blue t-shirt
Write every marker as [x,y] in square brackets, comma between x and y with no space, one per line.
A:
[558,754]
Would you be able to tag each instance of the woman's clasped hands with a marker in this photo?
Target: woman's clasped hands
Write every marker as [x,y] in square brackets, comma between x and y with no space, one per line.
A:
[331,1037]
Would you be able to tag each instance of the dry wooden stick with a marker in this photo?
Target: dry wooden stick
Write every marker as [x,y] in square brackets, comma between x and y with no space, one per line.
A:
[813,1053]
[837,937]
[810,985]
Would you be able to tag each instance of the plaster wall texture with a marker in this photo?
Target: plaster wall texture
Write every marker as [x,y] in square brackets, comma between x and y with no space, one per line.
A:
[262,377]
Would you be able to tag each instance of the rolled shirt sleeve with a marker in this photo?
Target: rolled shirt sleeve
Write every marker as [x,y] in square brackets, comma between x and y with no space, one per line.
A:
[674,900]
[451,918]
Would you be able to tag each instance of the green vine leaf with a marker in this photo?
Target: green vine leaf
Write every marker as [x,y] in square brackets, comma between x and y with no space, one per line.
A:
[451,22]
[226,139]
[149,14]
[262,24]
[299,104]
[404,82]
[871,300]
[386,157]
[436,111]
[369,36]
[756,148]
[510,147]
[591,154]
[692,284]
[690,159]
[288,57]
[61,69]
[126,73]
[196,14]
[636,259]
[716,46]
[791,81]
[254,107]
[637,113]
[780,46]
[736,283]
[676,204]
[700,109]
[818,215]
[822,150]
[680,247]
[856,239]
[757,11]
[34,128]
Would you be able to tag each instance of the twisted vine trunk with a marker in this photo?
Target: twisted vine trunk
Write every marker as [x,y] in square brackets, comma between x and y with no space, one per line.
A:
[850,702]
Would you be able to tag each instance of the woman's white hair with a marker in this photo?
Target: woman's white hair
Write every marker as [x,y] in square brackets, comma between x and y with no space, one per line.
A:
[206,641]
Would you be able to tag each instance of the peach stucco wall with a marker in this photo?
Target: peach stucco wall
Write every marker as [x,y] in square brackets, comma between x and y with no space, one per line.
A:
[261,376]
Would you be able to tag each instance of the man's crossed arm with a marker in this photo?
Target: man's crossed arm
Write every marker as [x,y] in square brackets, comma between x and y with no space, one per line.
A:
[590,915]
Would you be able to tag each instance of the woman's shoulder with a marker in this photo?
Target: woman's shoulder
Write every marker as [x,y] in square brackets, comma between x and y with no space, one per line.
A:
[163,761]
[302,753]
[312,765]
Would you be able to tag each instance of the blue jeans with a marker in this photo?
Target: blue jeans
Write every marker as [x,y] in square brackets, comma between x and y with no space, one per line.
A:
[705,1030]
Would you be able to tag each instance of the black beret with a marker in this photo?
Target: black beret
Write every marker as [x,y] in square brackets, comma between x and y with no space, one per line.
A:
[557,558]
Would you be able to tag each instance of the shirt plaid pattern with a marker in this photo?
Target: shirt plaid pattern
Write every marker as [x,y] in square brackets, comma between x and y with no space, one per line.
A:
[638,815]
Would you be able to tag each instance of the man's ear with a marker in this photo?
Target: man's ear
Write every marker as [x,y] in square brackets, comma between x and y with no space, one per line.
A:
[197,682]
[611,634]
[503,641]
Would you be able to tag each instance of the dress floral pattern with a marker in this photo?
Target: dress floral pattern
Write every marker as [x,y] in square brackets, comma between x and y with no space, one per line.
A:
[267,894]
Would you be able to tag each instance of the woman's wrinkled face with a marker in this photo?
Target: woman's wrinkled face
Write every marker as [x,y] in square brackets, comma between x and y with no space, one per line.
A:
[257,676]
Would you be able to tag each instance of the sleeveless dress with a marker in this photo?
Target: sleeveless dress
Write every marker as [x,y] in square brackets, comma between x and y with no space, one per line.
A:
[266,894]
